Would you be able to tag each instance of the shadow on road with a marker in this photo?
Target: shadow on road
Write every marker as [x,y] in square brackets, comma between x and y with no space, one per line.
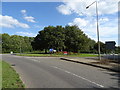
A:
[116,76]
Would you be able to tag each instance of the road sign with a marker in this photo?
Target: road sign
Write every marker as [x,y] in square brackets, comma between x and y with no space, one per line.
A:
[65,52]
[51,50]
[110,45]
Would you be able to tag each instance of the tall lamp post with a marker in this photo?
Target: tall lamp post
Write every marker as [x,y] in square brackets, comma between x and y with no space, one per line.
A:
[97,28]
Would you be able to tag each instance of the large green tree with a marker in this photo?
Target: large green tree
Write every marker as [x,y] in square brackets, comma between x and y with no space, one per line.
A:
[69,38]
[50,37]
[75,39]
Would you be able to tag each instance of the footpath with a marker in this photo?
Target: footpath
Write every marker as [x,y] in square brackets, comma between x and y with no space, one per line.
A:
[104,64]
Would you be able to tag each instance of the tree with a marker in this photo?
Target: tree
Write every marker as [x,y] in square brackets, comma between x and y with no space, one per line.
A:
[6,42]
[50,37]
[102,47]
[16,43]
[69,38]
[75,39]
[27,43]
[117,49]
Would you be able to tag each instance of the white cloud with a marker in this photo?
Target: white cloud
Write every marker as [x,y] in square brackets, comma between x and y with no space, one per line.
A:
[27,18]
[108,31]
[104,20]
[107,9]
[105,33]
[65,10]
[6,25]
[39,26]
[10,22]
[23,11]
[79,7]
[79,22]
[26,34]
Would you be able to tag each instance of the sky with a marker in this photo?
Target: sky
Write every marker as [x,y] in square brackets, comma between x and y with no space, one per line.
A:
[28,18]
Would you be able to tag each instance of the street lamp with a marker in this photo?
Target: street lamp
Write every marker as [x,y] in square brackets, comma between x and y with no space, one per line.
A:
[97,28]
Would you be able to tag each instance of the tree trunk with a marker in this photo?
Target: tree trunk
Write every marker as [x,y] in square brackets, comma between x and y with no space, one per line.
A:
[45,51]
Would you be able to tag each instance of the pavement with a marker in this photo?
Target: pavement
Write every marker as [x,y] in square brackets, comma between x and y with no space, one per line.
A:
[111,65]
[52,72]
[112,56]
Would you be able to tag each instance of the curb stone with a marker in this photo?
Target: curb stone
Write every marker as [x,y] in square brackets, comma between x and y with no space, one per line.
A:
[72,60]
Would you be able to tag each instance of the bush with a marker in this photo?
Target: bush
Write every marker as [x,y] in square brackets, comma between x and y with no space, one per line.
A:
[59,53]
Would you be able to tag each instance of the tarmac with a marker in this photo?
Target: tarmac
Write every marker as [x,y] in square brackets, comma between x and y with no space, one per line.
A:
[109,65]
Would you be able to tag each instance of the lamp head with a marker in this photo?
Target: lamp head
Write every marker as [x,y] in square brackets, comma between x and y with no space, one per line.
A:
[87,7]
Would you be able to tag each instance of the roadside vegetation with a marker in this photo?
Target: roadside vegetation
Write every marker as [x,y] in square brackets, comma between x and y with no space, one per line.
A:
[59,55]
[10,79]
[59,38]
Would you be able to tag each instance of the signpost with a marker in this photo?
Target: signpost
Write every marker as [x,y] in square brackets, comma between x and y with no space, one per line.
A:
[65,52]
[51,50]
[110,47]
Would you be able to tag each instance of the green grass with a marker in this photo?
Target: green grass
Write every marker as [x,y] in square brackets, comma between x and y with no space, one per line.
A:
[10,79]
[83,55]
[58,55]
[40,55]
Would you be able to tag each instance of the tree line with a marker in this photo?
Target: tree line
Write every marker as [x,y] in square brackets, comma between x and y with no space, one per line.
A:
[68,38]
[16,43]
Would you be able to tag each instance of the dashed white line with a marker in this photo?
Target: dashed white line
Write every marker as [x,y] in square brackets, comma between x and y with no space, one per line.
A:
[35,60]
[78,76]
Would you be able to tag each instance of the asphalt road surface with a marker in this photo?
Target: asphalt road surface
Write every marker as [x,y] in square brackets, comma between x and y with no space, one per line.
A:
[51,72]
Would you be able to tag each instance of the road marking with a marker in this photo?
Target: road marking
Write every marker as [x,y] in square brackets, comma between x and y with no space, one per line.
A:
[35,60]
[78,76]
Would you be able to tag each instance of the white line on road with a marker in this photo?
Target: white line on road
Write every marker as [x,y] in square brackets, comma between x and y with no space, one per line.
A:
[35,60]
[78,76]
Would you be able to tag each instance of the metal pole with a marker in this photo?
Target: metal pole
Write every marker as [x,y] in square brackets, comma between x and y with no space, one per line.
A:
[98,32]
[99,56]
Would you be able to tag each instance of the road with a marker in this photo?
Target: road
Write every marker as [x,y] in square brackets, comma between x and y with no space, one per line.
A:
[51,72]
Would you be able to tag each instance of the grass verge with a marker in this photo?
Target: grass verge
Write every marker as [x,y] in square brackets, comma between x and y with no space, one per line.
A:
[10,79]
[58,55]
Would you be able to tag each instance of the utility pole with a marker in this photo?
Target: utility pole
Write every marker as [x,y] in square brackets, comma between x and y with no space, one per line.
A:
[99,56]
